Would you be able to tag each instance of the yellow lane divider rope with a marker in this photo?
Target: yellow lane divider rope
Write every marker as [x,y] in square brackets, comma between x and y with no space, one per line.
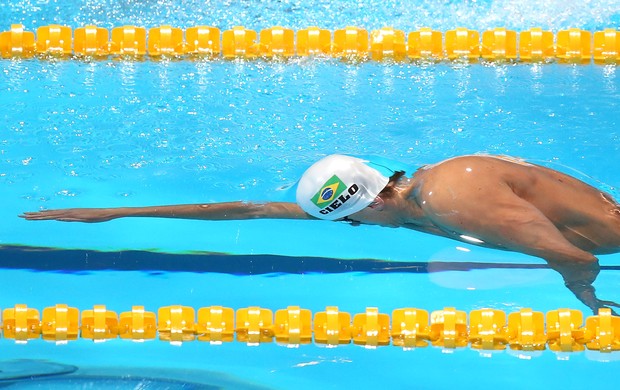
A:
[486,329]
[351,43]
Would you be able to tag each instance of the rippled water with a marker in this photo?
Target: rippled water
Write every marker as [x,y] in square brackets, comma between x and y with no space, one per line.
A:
[331,14]
[127,121]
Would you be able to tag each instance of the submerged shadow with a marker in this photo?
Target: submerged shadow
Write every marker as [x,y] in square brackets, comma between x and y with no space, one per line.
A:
[79,260]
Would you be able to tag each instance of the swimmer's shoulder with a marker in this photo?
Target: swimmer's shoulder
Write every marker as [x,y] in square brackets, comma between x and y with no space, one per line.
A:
[487,165]
[455,163]
[508,163]
[491,158]
[481,168]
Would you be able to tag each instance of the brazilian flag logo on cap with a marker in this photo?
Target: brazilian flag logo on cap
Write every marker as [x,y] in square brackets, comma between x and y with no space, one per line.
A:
[328,192]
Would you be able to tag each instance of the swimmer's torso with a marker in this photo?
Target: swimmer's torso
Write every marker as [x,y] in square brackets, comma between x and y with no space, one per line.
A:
[455,198]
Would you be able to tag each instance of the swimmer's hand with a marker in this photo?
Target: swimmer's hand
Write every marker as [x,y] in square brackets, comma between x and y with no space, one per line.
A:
[606,305]
[71,215]
[587,294]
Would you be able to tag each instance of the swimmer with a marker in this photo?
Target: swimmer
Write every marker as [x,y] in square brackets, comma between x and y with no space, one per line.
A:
[492,201]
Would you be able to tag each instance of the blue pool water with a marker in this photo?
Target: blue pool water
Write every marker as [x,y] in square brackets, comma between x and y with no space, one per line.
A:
[127,133]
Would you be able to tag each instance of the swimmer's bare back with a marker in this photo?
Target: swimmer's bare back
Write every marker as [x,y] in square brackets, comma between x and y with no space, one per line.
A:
[521,207]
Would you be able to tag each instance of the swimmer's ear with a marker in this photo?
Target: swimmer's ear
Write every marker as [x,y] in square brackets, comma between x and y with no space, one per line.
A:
[377,204]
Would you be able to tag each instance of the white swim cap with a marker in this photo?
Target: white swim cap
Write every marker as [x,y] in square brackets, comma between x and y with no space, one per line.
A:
[337,186]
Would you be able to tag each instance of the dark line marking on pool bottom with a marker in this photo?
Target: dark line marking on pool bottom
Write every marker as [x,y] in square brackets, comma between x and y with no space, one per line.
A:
[80,260]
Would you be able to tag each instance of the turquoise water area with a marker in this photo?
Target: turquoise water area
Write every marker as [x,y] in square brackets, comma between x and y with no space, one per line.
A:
[190,132]
[128,133]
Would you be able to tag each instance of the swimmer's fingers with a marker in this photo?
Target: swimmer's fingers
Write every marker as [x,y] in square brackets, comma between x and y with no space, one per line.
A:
[609,303]
[68,215]
[50,215]
[613,312]
[42,215]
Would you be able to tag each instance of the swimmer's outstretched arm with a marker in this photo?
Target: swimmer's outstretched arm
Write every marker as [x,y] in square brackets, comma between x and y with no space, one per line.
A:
[206,211]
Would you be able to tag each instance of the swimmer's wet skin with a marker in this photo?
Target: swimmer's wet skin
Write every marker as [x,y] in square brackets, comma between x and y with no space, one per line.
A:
[493,201]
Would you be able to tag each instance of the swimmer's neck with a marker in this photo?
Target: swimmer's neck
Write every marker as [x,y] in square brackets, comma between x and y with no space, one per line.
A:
[405,206]
[397,207]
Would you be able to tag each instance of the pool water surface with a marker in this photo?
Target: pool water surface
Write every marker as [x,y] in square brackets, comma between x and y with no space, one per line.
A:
[108,133]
